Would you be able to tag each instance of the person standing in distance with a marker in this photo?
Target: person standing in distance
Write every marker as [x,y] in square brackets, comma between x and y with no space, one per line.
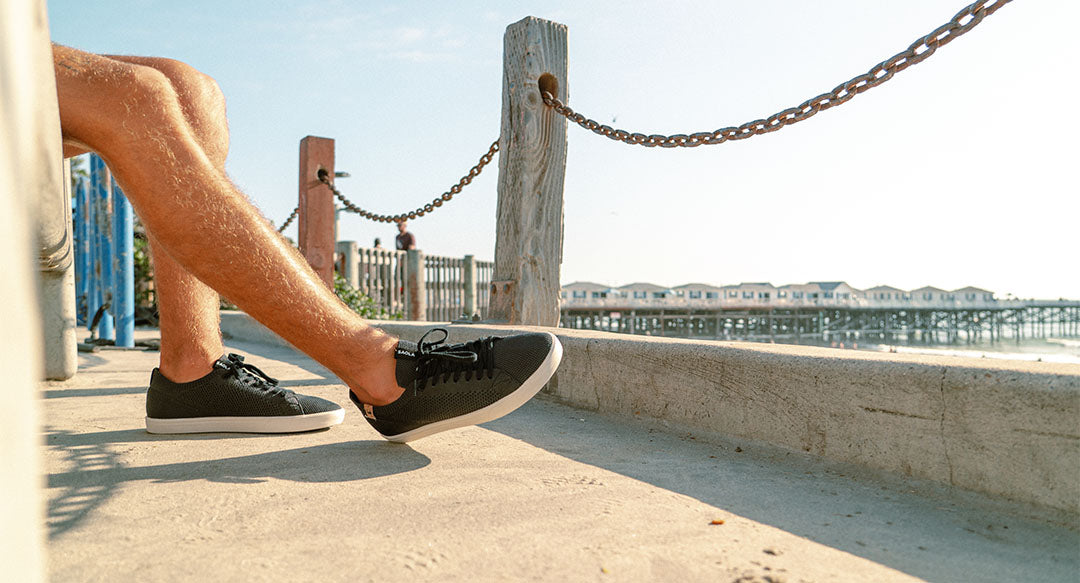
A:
[405,239]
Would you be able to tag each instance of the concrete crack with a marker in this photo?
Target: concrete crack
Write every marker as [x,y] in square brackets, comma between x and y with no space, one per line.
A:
[944,440]
[592,374]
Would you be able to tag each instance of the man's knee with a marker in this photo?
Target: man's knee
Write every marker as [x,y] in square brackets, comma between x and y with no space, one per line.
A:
[193,87]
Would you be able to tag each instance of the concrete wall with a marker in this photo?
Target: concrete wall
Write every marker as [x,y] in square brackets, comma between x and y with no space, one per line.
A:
[24,37]
[1005,428]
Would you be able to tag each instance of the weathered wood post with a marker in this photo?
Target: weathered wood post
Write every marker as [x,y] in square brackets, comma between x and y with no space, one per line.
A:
[415,286]
[316,216]
[468,280]
[532,167]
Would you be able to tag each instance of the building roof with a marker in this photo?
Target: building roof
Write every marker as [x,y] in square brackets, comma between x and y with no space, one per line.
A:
[642,286]
[697,286]
[829,285]
[929,288]
[586,285]
[972,289]
[884,288]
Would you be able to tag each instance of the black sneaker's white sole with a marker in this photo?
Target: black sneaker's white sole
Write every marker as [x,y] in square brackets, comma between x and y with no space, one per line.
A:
[503,406]
[280,424]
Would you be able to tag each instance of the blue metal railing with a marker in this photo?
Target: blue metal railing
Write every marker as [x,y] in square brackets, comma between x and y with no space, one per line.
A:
[105,272]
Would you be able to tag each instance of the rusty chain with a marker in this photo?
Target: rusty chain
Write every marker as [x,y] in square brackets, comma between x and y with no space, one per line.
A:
[289,220]
[427,208]
[968,17]
[919,50]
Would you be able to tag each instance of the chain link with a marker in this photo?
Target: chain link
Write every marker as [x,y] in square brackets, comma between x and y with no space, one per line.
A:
[421,211]
[289,220]
[919,51]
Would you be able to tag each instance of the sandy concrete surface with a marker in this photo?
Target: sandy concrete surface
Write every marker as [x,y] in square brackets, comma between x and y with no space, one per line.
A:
[1008,429]
[548,493]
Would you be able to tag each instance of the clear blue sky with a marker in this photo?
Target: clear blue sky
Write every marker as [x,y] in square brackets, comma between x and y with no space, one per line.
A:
[959,171]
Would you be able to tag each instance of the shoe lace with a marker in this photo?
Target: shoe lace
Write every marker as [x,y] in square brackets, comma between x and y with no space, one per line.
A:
[253,375]
[440,362]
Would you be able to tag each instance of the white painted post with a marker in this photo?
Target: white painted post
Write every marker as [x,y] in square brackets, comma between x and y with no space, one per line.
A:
[351,271]
[532,167]
[57,268]
[30,159]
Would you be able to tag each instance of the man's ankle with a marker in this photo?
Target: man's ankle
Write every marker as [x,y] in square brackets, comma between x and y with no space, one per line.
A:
[186,369]
[377,384]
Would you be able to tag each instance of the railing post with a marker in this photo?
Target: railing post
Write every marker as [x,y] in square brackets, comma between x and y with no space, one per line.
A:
[350,271]
[82,250]
[123,283]
[316,216]
[415,287]
[57,270]
[93,265]
[103,249]
[468,278]
[532,167]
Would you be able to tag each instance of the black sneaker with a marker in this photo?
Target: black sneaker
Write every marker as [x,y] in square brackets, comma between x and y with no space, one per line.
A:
[451,386]
[234,397]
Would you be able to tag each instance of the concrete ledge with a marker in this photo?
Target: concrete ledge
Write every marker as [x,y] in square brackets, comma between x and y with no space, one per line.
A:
[1005,428]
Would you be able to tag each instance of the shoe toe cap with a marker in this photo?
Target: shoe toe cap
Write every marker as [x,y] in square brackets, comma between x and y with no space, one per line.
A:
[311,404]
[522,354]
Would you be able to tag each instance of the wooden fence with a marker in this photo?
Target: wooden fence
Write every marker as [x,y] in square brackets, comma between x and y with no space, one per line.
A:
[434,288]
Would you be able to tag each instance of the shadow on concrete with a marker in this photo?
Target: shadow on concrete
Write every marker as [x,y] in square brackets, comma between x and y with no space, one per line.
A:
[66,439]
[935,534]
[95,471]
[102,392]
[292,384]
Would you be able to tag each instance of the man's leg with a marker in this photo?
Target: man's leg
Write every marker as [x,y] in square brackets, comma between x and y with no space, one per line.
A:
[131,116]
[189,318]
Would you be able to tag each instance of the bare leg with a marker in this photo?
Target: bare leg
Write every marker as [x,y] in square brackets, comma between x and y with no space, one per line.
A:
[190,322]
[131,115]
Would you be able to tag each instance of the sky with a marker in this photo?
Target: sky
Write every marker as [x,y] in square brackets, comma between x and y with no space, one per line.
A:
[958,171]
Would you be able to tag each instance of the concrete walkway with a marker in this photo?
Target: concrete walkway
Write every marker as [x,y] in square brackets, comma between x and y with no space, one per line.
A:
[548,493]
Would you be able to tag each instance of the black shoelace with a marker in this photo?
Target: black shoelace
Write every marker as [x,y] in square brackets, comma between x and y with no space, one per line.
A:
[442,363]
[252,375]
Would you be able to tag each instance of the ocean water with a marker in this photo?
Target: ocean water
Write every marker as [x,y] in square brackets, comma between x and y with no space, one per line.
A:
[1064,350]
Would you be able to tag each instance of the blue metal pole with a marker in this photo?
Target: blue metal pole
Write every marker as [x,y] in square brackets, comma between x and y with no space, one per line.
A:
[93,257]
[105,247]
[123,269]
[82,251]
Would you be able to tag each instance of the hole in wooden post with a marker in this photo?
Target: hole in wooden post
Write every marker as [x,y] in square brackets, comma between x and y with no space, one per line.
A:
[549,83]
[322,174]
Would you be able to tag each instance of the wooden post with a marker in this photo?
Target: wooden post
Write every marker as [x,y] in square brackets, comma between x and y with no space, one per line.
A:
[415,286]
[316,215]
[468,277]
[532,167]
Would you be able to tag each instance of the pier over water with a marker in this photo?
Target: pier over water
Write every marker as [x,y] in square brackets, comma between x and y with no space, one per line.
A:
[816,312]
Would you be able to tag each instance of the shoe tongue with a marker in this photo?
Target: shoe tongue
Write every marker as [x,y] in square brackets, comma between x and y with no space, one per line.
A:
[405,354]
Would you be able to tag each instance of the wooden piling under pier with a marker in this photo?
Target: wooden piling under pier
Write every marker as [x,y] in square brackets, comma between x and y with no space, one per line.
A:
[836,324]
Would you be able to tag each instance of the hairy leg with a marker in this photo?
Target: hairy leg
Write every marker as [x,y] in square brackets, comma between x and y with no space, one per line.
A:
[131,115]
[190,322]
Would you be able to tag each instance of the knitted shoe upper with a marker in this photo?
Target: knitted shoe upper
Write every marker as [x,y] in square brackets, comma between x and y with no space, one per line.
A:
[232,389]
[447,381]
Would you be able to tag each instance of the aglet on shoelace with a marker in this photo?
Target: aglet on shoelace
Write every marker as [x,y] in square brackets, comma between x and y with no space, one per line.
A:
[437,362]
